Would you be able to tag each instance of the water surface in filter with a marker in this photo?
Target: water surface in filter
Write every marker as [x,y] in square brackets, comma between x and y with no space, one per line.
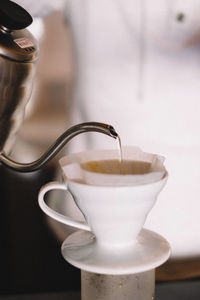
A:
[116,166]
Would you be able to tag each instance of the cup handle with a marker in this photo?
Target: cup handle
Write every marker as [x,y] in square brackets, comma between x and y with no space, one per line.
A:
[53,214]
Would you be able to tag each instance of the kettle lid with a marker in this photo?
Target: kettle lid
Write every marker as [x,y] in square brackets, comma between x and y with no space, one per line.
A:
[13,16]
[16,42]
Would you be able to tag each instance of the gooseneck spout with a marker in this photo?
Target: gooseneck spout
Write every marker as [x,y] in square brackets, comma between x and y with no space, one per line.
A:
[57,146]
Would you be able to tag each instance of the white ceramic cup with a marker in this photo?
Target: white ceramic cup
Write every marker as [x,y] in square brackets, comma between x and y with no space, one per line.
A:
[115,214]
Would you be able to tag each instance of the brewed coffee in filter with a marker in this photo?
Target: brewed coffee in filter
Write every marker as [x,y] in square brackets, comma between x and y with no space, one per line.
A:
[114,166]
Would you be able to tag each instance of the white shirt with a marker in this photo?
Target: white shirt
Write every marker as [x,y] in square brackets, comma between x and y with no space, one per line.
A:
[138,68]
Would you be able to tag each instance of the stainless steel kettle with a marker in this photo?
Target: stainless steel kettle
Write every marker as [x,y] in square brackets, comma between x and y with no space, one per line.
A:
[18,56]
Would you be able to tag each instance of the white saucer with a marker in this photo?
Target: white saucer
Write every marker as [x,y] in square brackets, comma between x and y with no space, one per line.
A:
[81,250]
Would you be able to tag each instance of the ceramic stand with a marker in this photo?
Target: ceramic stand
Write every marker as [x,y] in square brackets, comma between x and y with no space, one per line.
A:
[138,286]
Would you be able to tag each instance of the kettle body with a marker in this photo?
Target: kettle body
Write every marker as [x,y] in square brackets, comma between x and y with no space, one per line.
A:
[18,56]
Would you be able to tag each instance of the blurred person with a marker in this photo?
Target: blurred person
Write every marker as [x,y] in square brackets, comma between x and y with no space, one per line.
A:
[138,68]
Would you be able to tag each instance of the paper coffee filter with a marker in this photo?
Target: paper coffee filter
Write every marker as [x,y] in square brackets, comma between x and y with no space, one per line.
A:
[76,167]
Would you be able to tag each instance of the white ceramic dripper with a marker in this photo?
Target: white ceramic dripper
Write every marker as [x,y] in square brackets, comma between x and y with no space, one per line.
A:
[114,213]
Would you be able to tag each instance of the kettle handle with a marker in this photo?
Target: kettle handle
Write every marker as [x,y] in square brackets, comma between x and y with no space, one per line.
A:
[57,146]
